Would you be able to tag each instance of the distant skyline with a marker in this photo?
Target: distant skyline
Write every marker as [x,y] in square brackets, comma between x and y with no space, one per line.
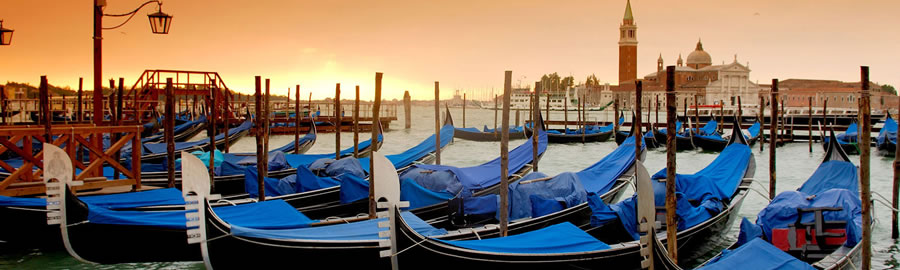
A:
[466,45]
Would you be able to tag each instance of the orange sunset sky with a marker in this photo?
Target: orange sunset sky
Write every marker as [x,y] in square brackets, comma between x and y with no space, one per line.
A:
[463,44]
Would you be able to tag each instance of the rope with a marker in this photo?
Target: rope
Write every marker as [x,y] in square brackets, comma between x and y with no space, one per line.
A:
[407,248]
[885,202]
[766,197]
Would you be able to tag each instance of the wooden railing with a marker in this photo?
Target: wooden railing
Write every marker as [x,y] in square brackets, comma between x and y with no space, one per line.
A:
[75,140]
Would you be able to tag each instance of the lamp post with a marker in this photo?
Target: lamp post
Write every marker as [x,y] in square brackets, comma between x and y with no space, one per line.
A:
[5,35]
[159,24]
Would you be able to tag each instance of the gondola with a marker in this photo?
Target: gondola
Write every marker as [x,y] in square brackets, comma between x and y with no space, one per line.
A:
[715,142]
[887,137]
[156,152]
[649,138]
[99,235]
[570,246]
[358,240]
[593,134]
[848,140]
[828,193]
[487,135]
[481,180]
[183,132]
[683,140]
[230,174]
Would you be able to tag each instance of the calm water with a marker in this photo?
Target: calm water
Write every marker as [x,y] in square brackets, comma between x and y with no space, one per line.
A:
[795,164]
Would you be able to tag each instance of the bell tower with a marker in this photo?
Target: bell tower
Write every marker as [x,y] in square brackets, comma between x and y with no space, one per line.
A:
[627,47]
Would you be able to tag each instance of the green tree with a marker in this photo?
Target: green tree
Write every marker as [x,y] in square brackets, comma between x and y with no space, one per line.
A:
[888,88]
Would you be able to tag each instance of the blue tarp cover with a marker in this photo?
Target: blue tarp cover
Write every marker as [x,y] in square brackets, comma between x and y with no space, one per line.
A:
[832,174]
[297,160]
[559,238]
[719,179]
[289,147]
[166,196]
[356,231]
[782,211]
[416,152]
[563,189]
[757,253]
[754,130]
[463,181]
[888,132]
[488,174]
[273,214]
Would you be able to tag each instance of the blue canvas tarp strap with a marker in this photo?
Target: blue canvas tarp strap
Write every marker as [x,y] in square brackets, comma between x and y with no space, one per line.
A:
[559,238]
[355,231]
[563,188]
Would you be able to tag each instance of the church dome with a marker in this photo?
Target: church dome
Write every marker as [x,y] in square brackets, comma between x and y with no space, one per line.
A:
[699,58]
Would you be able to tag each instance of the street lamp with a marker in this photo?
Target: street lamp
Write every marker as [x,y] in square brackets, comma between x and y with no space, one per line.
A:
[159,24]
[5,35]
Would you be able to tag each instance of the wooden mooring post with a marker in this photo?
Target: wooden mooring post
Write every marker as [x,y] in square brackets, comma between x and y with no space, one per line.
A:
[211,130]
[504,156]
[80,101]
[548,106]
[535,114]
[809,123]
[671,221]
[762,122]
[496,111]
[773,132]
[374,146]
[865,124]
[337,122]
[225,118]
[3,108]
[297,120]
[169,132]
[407,109]
[356,124]
[615,114]
[267,103]
[437,123]
[638,123]
[45,108]
[260,177]
[895,231]
[464,110]
[566,114]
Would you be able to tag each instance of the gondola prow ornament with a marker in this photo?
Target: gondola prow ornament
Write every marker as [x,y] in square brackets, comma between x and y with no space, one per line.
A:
[195,188]
[387,195]
[58,176]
